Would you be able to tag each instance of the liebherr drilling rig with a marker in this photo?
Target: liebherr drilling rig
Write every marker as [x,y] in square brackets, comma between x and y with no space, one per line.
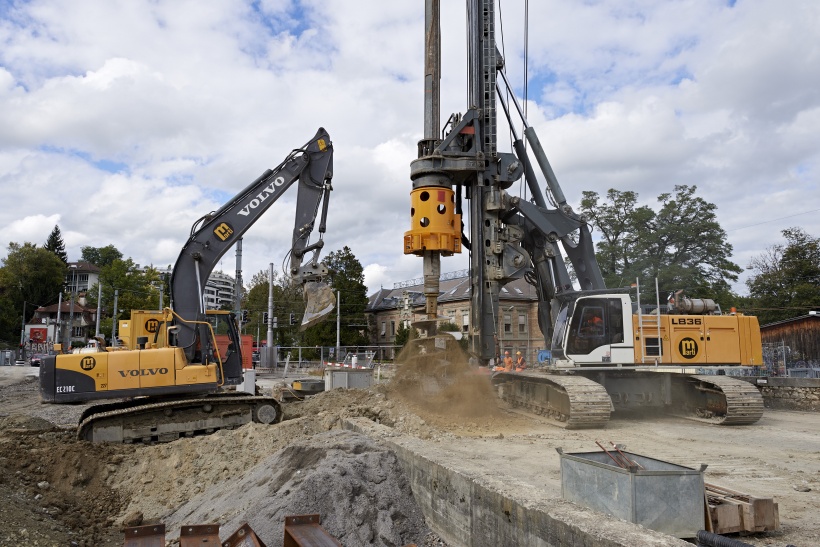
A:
[622,359]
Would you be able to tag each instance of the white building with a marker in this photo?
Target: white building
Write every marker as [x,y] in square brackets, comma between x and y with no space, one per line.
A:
[220,291]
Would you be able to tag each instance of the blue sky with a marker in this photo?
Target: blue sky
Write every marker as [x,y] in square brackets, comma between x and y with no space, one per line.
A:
[124,122]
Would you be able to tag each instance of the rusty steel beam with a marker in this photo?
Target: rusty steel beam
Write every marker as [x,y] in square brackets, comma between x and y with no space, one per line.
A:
[152,535]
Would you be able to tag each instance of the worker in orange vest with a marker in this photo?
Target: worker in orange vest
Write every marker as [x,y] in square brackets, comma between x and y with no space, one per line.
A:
[508,362]
[520,363]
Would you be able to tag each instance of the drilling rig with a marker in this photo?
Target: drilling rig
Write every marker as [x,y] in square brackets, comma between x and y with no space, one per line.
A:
[673,360]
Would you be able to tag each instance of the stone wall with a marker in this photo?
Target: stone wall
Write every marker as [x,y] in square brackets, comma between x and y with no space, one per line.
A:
[470,511]
[790,393]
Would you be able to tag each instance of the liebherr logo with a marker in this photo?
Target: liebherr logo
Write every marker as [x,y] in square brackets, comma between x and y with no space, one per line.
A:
[261,196]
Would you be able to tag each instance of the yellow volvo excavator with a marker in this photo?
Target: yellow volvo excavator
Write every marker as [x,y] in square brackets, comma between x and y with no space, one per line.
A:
[173,382]
[674,358]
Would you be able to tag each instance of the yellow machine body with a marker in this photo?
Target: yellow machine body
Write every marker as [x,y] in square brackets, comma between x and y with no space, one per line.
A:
[147,323]
[702,340]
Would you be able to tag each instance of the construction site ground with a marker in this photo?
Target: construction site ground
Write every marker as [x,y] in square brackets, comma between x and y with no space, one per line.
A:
[55,490]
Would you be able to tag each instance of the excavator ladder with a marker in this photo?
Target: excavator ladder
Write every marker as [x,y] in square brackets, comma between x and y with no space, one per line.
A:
[649,327]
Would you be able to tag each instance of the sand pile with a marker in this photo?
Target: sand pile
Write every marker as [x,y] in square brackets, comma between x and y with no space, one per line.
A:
[356,486]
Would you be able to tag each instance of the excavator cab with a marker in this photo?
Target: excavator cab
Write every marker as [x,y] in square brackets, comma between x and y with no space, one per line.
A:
[588,329]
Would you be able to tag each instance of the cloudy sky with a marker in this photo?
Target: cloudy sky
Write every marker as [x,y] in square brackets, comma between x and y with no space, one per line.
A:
[124,121]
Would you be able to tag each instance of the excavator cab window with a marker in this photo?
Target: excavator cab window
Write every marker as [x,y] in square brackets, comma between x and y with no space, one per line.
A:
[595,323]
[560,331]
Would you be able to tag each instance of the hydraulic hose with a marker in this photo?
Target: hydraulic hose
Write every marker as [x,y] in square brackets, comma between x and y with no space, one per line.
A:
[708,539]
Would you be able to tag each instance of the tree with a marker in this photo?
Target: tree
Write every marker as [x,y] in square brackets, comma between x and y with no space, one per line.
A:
[405,334]
[101,256]
[347,277]
[287,299]
[136,290]
[786,282]
[682,244]
[55,244]
[29,274]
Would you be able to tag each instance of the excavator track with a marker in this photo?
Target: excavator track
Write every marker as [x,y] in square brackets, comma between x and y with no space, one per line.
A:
[719,400]
[571,402]
[152,420]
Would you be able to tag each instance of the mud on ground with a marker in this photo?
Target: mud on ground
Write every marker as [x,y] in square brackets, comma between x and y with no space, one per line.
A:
[58,491]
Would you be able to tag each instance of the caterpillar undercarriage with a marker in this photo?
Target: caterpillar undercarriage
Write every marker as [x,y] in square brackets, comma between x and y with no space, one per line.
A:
[577,402]
[159,420]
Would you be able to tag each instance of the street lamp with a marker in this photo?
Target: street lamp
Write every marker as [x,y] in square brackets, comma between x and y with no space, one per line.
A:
[73,268]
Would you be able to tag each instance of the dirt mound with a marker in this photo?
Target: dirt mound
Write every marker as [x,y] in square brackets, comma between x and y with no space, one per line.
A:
[60,480]
[436,381]
[356,486]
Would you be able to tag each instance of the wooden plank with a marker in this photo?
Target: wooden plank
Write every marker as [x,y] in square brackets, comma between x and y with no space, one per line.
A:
[733,511]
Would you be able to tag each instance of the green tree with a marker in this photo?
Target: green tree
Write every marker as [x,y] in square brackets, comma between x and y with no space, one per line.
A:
[136,290]
[346,277]
[28,274]
[786,282]
[101,256]
[286,300]
[682,244]
[405,334]
[55,244]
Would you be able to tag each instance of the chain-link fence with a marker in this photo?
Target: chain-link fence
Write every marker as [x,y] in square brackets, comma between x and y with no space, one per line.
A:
[780,360]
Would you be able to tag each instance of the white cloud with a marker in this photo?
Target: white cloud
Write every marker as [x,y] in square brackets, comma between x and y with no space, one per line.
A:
[124,122]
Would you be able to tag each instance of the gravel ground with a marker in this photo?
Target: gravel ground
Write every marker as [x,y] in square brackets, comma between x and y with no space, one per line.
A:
[90,491]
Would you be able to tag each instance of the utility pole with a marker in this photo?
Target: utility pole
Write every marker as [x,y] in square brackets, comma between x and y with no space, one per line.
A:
[114,320]
[338,323]
[23,335]
[99,306]
[238,282]
[71,311]
[270,351]
[58,330]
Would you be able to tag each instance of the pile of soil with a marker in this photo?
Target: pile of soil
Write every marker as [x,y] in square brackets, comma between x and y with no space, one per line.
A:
[354,484]
[53,487]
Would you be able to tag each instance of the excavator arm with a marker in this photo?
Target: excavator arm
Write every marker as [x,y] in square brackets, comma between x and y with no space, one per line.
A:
[215,233]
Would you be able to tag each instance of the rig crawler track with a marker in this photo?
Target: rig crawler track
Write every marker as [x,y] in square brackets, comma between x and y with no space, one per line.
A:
[720,400]
[152,420]
[577,402]
[571,402]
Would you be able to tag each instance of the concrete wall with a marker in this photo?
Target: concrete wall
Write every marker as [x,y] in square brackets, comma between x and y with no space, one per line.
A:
[474,511]
[791,393]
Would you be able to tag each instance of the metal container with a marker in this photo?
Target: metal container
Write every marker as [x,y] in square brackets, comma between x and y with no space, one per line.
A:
[663,496]
[347,378]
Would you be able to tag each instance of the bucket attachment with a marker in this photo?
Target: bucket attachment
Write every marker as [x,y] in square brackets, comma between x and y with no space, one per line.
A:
[152,535]
[199,535]
[319,302]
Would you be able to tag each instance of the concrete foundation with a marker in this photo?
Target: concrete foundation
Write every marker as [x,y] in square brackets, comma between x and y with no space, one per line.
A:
[487,510]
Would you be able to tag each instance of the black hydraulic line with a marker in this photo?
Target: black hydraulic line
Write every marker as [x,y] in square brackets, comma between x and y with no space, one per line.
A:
[325,201]
[708,539]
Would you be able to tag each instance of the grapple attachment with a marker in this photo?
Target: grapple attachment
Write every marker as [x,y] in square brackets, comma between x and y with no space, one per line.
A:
[319,302]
